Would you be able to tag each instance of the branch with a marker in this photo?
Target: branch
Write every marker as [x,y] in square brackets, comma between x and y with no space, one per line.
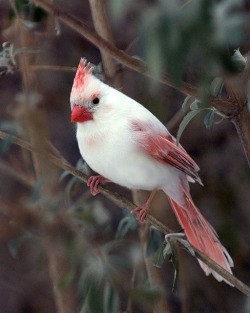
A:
[52,68]
[124,202]
[226,107]
[238,89]
[102,28]
[242,125]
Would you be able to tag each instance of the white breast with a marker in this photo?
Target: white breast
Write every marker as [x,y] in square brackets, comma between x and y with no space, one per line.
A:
[112,152]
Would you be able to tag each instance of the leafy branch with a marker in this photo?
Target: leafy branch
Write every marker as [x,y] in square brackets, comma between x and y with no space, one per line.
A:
[225,106]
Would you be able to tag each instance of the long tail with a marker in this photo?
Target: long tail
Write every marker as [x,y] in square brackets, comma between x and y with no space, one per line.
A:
[202,236]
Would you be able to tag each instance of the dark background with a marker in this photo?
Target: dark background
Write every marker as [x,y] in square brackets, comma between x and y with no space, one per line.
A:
[25,283]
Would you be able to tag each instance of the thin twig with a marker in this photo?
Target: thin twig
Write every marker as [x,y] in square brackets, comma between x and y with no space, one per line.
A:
[102,27]
[53,68]
[124,202]
[225,106]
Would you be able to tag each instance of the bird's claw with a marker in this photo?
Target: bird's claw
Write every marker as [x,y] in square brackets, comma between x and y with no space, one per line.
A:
[142,212]
[93,183]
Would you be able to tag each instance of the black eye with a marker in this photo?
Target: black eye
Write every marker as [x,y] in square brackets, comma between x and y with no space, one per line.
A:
[95,100]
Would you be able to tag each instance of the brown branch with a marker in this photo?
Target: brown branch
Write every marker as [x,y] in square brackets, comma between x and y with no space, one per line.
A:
[237,88]
[52,68]
[102,27]
[227,107]
[242,125]
[124,202]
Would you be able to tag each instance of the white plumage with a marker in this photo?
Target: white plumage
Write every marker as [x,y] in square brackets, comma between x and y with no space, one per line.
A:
[126,144]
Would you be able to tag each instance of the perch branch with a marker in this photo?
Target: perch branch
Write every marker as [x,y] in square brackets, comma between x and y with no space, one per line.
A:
[124,202]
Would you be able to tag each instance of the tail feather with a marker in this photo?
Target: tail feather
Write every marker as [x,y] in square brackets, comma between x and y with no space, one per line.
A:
[202,236]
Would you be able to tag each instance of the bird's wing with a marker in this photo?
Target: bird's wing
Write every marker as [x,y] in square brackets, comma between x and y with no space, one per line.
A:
[163,147]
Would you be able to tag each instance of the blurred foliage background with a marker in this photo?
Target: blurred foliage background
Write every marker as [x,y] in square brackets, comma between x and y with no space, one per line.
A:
[61,250]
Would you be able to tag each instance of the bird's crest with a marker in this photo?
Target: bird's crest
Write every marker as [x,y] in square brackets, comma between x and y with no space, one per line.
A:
[83,74]
[83,71]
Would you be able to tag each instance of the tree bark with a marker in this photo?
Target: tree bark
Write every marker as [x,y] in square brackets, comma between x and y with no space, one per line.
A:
[103,29]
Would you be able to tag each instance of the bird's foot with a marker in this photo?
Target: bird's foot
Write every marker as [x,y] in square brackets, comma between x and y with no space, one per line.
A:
[142,212]
[93,183]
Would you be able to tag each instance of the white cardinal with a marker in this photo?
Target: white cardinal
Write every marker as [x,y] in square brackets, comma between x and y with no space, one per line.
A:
[126,144]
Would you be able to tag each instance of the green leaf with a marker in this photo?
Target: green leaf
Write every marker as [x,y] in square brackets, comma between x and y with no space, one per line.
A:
[239,59]
[186,120]
[36,191]
[63,175]
[100,214]
[90,287]
[171,250]
[209,119]
[175,262]
[5,144]
[167,250]
[185,103]
[9,126]
[124,227]
[81,165]
[154,242]
[66,281]
[159,257]
[127,223]
[216,86]
[195,105]
[110,299]
[118,8]
[154,58]
[187,245]
[71,184]
[29,11]
[95,298]
[114,246]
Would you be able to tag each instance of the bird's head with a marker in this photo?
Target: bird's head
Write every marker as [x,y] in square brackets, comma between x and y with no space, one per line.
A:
[86,94]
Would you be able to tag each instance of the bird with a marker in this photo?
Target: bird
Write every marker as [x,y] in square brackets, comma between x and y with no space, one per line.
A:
[126,144]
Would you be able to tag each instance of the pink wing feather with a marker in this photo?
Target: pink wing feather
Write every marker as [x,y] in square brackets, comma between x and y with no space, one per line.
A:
[199,232]
[163,148]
